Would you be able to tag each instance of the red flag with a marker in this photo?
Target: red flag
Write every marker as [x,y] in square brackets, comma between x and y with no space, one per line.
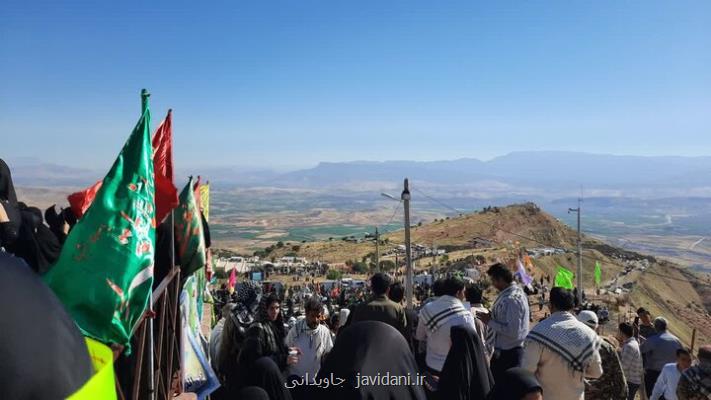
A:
[80,201]
[233,279]
[166,196]
[166,192]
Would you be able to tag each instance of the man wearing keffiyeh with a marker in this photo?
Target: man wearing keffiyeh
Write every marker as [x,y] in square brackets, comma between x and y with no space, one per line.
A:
[695,382]
[562,351]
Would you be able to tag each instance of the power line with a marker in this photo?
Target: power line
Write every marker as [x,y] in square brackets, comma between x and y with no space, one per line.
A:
[395,209]
[539,242]
[484,222]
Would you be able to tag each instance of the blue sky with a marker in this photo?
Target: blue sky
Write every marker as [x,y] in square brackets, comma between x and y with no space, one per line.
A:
[288,84]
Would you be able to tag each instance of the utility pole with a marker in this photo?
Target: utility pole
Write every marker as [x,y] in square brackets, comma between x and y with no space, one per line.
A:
[405,197]
[377,250]
[580,255]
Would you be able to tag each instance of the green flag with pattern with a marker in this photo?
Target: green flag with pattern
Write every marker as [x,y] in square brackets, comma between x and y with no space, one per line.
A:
[105,270]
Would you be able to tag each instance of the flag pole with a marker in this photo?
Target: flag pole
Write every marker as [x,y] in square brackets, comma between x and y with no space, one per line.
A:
[151,341]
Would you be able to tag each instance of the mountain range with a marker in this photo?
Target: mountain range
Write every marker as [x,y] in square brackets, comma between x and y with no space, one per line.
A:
[533,172]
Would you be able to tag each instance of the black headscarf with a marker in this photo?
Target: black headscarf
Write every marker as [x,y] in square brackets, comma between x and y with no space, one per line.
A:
[265,374]
[7,189]
[56,221]
[44,356]
[253,393]
[36,243]
[9,231]
[465,374]
[235,332]
[516,383]
[369,348]
[263,316]
[264,338]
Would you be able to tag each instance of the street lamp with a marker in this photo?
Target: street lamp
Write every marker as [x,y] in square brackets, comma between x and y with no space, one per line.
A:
[405,198]
[389,196]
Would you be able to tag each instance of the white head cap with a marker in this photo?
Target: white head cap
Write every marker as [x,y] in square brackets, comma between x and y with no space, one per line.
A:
[589,318]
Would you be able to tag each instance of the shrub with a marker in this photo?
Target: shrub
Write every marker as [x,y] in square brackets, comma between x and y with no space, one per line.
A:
[334,274]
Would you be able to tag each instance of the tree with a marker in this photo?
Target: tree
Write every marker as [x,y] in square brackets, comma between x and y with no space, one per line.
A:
[419,223]
[360,267]
[280,244]
[370,255]
[334,274]
[387,265]
[444,259]
[295,249]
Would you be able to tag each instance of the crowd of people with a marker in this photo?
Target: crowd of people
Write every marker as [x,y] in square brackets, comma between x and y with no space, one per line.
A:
[26,231]
[362,343]
[451,346]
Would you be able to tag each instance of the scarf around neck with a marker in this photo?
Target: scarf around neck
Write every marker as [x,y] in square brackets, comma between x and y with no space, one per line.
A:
[437,313]
[572,340]
[700,378]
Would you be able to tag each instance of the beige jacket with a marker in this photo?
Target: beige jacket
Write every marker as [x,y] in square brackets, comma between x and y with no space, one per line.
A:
[558,380]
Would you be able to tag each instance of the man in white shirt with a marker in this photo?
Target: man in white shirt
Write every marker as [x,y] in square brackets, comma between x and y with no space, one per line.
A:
[312,339]
[669,377]
[437,317]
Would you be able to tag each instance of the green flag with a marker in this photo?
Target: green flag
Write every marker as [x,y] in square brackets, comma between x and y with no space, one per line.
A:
[105,270]
[564,278]
[189,233]
[598,273]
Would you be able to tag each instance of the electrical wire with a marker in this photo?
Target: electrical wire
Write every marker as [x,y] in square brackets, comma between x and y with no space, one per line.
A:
[537,241]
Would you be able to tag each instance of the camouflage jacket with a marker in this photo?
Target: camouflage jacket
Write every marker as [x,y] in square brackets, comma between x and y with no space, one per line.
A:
[695,383]
[612,384]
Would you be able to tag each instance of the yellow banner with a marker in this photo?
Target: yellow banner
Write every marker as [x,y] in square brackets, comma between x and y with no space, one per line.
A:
[205,200]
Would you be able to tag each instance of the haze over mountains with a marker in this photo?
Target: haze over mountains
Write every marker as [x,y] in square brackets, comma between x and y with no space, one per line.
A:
[545,173]
[527,172]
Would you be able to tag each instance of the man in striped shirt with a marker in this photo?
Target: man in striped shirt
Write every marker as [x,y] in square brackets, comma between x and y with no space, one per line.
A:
[631,359]
[508,321]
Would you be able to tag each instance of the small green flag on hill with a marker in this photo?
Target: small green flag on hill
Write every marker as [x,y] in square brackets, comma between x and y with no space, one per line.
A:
[104,273]
[598,273]
[564,278]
